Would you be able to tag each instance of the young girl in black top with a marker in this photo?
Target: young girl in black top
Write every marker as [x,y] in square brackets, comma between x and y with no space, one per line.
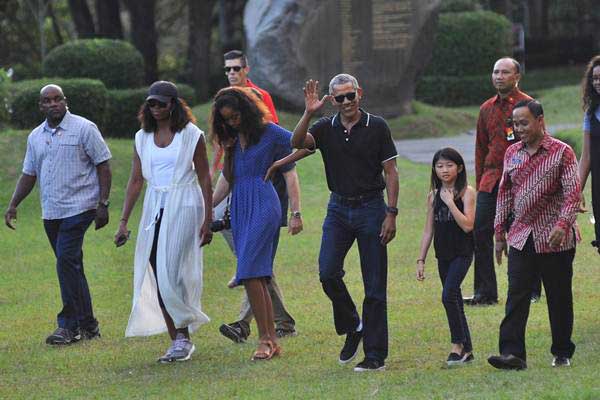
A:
[450,217]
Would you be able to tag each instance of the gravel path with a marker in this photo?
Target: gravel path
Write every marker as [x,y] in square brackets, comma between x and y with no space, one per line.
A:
[422,150]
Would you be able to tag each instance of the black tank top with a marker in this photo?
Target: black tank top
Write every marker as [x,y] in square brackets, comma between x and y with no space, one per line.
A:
[449,240]
[594,144]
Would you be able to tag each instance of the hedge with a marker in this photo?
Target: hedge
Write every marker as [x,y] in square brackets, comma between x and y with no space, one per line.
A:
[85,97]
[468,43]
[459,6]
[454,91]
[114,62]
[124,105]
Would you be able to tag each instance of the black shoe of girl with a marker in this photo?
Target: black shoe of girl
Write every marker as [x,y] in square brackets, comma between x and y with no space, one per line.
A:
[455,359]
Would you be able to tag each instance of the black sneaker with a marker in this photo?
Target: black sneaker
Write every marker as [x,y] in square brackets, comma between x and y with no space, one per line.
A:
[455,359]
[350,348]
[62,336]
[561,362]
[281,333]
[90,334]
[233,332]
[369,364]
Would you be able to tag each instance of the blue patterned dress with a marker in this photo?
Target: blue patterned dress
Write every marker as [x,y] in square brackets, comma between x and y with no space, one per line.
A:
[255,207]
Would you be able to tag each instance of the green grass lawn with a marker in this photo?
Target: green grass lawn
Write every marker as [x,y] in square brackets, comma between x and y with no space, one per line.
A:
[116,367]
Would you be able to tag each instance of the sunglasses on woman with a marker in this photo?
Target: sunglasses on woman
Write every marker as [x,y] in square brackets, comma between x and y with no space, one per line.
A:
[155,103]
[340,98]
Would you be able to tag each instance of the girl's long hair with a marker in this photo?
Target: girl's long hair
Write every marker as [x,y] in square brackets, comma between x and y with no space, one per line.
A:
[448,153]
[254,116]
[590,98]
[181,115]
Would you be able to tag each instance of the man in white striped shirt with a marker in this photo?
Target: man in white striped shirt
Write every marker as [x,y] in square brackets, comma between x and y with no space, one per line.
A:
[68,156]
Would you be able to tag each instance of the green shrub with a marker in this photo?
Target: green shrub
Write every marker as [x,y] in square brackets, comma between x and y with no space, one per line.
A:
[454,91]
[459,6]
[124,105]
[85,97]
[114,62]
[4,90]
[468,43]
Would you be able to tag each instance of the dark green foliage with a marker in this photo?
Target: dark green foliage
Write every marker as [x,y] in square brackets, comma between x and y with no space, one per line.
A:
[85,97]
[124,105]
[459,6]
[468,43]
[114,62]
[466,47]
[454,91]
[4,89]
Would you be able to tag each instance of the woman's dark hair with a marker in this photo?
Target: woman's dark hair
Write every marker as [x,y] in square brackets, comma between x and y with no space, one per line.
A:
[448,153]
[590,98]
[181,114]
[534,107]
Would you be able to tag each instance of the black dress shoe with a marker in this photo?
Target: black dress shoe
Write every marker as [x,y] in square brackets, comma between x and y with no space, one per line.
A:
[507,361]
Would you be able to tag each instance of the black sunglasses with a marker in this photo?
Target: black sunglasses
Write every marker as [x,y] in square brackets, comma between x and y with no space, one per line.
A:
[340,98]
[155,103]
[236,68]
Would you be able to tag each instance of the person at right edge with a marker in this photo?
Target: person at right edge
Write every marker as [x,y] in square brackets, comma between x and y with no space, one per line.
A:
[590,154]
[494,135]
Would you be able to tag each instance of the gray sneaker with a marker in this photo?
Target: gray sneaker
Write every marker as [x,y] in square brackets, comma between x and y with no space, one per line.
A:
[181,350]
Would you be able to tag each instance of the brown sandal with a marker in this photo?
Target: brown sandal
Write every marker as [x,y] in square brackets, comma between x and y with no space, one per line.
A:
[263,355]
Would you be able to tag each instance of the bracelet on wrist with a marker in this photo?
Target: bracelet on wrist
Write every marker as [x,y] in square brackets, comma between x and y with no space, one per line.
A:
[123,220]
[421,260]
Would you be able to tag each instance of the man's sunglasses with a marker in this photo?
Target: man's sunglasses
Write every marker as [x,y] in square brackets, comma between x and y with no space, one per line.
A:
[155,103]
[236,68]
[340,98]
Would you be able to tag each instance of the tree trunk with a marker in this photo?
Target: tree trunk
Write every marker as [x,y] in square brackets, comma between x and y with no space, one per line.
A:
[84,23]
[143,35]
[55,25]
[231,27]
[109,19]
[198,62]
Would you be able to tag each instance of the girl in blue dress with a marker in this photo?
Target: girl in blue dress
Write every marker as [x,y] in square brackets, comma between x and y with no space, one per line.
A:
[239,124]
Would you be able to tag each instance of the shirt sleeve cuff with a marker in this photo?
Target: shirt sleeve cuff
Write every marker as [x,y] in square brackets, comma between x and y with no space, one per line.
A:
[564,225]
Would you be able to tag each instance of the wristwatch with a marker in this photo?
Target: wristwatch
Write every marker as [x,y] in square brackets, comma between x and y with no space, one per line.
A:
[391,210]
[104,203]
[295,214]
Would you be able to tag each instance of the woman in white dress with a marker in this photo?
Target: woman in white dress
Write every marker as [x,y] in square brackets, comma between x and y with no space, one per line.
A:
[170,155]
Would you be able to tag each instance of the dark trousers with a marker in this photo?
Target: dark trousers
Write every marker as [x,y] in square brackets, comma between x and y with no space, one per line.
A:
[452,273]
[66,238]
[556,270]
[344,224]
[483,235]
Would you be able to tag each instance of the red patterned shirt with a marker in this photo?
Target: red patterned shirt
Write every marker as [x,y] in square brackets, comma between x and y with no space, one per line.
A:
[542,191]
[494,135]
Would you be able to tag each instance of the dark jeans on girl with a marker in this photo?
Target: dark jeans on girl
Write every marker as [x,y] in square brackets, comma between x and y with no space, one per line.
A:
[452,273]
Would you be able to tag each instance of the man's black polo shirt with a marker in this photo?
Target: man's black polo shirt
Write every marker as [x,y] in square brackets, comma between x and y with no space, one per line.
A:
[353,160]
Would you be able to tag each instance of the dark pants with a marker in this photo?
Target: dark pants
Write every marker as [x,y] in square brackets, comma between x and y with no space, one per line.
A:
[483,235]
[66,238]
[452,273]
[556,270]
[344,224]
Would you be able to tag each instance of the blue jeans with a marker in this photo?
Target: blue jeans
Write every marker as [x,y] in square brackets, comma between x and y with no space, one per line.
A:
[66,238]
[452,273]
[344,224]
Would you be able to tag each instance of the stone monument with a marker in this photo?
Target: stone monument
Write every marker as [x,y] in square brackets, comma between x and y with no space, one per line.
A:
[384,43]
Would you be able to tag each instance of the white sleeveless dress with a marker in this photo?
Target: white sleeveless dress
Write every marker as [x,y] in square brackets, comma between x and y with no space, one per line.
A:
[179,256]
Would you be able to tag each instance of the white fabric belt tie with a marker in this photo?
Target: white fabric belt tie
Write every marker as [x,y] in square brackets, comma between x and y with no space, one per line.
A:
[159,190]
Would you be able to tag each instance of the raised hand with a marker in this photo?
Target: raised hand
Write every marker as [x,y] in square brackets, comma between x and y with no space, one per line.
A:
[311,96]
[447,195]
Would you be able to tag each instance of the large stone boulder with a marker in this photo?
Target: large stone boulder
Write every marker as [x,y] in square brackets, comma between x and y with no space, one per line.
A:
[384,43]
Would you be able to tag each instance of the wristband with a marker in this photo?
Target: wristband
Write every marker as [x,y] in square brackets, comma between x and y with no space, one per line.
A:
[391,210]
[421,259]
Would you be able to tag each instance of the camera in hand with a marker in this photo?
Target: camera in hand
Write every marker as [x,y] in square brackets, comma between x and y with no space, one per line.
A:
[220,224]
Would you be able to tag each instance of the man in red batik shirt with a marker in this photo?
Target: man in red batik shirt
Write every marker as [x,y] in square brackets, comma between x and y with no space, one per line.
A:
[494,135]
[538,200]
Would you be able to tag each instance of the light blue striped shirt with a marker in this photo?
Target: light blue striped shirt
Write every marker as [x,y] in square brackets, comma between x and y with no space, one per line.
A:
[64,161]
[586,119]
